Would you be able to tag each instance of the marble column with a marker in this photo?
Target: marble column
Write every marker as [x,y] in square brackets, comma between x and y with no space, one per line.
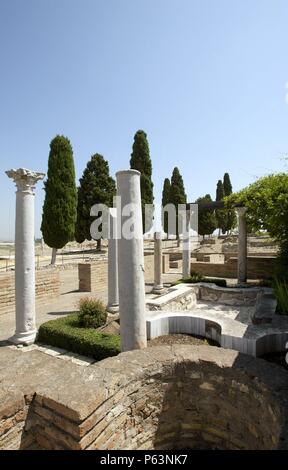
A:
[25,181]
[186,249]
[158,282]
[130,261]
[242,245]
[113,297]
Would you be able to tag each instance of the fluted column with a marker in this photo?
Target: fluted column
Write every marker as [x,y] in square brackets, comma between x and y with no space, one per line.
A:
[25,181]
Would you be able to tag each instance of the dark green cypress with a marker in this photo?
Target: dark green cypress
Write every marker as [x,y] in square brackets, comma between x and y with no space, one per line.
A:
[59,209]
[231,219]
[220,214]
[141,161]
[166,194]
[96,187]
[177,194]
[227,184]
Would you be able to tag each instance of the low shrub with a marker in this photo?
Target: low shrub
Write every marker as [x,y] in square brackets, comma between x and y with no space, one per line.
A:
[281,294]
[92,313]
[195,279]
[66,333]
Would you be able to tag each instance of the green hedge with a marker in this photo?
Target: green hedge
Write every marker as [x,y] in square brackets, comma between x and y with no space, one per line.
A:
[191,280]
[67,334]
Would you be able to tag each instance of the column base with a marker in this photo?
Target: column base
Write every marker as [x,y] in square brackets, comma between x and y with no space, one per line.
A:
[185,276]
[114,308]
[158,290]
[26,338]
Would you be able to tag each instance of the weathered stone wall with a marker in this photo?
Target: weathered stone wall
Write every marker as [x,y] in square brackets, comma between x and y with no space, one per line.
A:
[164,397]
[165,264]
[184,301]
[47,287]
[149,267]
[257,268]
[93,277]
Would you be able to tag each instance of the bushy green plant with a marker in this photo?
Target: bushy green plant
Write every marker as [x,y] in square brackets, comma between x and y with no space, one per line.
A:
[196,277]
[281,294]
[92,313]
[267,204]
[66,333]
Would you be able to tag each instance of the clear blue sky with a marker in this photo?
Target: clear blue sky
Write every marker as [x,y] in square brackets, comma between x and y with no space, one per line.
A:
[206,79]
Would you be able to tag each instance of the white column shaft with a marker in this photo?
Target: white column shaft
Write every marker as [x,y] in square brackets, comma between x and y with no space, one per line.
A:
[158,282]
[24,262]
[186,249]
[242,245]
[25,332]
[113,297]
[131,262]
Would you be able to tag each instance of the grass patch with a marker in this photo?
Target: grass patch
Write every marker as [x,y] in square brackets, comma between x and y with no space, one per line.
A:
[67,334]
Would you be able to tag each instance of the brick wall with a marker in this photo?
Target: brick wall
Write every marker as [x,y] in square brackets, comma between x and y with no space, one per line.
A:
[93,277]
[47,287]
[115,405]
[257,268]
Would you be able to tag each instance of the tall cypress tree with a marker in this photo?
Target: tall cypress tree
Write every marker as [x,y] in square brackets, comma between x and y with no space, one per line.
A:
[59,209]
[227,184]
[166,200]
[177,194]
[220,213]
[206,218]
[96,187]
[141,161]
[231,219]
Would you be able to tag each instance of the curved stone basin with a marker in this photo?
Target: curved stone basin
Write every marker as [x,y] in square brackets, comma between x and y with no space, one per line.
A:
[241,319]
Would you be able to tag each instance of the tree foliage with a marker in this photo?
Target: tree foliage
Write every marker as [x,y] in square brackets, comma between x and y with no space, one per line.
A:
[96,187]
[206,219]
[267,204]
[140,160]
[231,219]
[220,214]
[177,194]
[166,200]
[59,209]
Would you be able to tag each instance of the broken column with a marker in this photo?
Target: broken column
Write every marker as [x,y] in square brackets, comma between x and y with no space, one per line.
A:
[113,297]
[25,181]
[158,282]
[130,261]
[242,245]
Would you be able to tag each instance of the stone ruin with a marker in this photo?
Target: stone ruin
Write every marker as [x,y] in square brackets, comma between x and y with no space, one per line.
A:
[168,397]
